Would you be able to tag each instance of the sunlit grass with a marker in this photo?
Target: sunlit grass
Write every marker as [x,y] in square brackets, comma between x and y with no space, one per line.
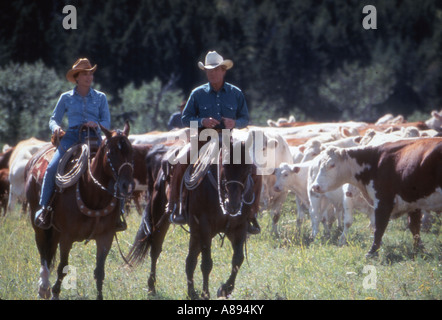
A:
[292,266]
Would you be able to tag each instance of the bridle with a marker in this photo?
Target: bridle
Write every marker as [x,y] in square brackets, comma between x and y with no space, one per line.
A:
[115,172]
[191,180]
[244,186]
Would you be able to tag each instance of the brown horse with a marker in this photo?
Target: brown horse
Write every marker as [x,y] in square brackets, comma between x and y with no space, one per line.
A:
[87,210]
[213,208]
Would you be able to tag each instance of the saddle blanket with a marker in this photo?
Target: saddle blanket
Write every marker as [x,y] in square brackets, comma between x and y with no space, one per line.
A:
[39,169]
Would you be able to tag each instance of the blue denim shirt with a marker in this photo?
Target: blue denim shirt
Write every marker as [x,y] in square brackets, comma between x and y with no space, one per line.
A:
[205,102]
[79,110]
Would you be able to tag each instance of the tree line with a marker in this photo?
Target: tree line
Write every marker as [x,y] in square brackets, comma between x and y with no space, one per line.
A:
[313,59]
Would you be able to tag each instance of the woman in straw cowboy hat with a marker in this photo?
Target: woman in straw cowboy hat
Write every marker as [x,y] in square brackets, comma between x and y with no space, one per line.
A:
[82,105]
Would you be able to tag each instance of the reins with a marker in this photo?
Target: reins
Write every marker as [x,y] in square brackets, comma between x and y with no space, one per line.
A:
[115,173]
[245,187]
[195,174]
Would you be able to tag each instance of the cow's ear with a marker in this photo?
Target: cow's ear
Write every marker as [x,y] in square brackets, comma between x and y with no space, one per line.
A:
[342,153]
[335,151]
[296,169]
[331,151]
[345,133]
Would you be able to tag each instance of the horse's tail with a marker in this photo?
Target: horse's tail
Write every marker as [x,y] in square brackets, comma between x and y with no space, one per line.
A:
[143,240]
[153,221]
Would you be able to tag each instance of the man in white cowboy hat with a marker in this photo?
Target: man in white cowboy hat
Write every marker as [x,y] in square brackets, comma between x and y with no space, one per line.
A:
[82,105]
[217,105]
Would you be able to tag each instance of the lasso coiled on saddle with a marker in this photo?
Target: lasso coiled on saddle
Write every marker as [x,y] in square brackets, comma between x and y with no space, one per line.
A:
[65,180]
[195,174]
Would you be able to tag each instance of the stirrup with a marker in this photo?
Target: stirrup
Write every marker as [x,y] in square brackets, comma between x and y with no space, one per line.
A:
[176,218]
[253,227]
[121,226]
[42,218]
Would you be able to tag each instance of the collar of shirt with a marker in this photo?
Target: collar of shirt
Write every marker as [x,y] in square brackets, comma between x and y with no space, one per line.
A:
[75,92]
[208,88]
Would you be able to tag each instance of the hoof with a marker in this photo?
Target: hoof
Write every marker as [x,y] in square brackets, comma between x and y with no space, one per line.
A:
[224,292]
[372,255]
[205,296]
[44,292]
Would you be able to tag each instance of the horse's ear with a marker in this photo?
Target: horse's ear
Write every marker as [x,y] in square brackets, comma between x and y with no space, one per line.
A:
[106,132]
[126,128]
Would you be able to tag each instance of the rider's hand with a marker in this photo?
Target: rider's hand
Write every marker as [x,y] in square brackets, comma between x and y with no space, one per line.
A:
[92,124]
[209,122]
[58,131]
[229,123]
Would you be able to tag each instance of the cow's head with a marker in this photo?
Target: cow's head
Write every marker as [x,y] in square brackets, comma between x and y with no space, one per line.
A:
[436,121]
[283,173]
[332,170]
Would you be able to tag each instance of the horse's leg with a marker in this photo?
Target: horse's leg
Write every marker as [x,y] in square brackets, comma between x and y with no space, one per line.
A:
[238,257]
[206,264]
[191,261]
[104,244]
[65,248]
[47,243]
[155,251]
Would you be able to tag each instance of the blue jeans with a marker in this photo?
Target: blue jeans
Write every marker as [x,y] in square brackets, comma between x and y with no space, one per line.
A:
[70,138]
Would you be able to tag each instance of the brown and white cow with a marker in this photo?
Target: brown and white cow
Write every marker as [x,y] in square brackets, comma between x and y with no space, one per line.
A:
[17,163]
[4,189]
[397,177]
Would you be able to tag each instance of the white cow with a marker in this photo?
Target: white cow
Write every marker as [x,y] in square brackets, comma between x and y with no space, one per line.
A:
[269,150]
[156,137]
[314,147]
[337,204]
[435,122]
[293,178]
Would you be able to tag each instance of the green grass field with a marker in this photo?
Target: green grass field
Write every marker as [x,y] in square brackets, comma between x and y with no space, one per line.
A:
[290,267]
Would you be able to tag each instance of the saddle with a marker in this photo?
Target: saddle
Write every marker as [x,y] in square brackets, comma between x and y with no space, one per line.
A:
[42,159]
[70,168]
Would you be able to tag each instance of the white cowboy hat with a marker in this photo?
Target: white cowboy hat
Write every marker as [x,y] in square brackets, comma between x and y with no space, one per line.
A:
[213,60]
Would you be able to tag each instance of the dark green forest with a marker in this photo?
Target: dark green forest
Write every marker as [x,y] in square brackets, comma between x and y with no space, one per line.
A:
[311,59]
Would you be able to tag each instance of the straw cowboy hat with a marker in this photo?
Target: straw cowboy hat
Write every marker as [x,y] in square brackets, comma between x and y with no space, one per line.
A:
[81,64]
[213,60]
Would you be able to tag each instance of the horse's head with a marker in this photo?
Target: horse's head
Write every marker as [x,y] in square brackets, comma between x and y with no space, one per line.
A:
[118,160]
[236,184]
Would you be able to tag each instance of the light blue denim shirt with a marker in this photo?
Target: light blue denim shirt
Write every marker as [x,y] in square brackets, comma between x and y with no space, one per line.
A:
[79,110]
[205,102]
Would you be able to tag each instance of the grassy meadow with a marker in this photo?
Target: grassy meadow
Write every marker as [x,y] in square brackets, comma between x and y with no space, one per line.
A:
[292,267]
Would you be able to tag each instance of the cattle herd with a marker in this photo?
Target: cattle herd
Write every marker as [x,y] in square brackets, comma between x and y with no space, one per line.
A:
[383,169]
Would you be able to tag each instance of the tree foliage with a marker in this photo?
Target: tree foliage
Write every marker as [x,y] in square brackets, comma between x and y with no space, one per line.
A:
[28,94]
[291,57]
